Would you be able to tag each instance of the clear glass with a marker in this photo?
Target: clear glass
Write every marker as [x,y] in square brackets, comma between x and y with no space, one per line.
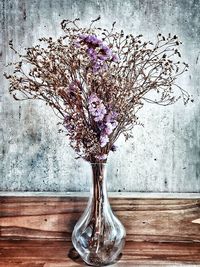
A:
[98,236]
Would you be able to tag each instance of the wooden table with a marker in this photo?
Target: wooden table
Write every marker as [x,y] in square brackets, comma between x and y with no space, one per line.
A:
[36,230]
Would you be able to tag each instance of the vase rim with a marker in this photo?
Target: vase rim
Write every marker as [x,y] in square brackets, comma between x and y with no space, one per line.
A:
[97,163]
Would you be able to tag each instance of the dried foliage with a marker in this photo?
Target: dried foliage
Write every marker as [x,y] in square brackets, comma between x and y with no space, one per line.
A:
[96,80]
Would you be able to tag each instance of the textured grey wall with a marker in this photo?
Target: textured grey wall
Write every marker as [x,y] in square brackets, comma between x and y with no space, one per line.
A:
[163,156]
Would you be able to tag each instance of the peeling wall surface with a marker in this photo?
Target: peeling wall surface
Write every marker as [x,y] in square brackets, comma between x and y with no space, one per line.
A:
[163,156]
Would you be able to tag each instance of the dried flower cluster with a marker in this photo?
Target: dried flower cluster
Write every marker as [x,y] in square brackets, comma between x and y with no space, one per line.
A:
[96,80]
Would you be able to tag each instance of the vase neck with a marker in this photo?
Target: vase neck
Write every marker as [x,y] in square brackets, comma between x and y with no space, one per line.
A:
[99,187]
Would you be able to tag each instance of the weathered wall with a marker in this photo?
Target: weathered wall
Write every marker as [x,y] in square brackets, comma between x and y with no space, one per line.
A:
[163,156]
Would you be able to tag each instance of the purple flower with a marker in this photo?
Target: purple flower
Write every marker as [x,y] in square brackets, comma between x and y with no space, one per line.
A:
[90,39]
[101,157]
[112,115]
[105,48]
[110,122]
[102,57]
[106,122]
[92,53]
[99,114]
[97,66]
[104,140]
[98,57]
[106,51]
[93,98]
[93,40]
[108,128]
[96,107]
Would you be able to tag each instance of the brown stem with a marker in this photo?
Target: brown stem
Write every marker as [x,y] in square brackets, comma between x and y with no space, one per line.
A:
[99,196]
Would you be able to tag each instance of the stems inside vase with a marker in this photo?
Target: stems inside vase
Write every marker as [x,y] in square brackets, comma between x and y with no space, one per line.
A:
[99,199]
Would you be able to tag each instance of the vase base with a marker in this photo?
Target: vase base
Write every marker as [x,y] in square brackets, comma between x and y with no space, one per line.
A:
[99,263]
[94,260]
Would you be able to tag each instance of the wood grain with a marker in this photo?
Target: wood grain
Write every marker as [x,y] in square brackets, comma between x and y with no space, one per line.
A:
[61,254]
[55,217]
[36,231]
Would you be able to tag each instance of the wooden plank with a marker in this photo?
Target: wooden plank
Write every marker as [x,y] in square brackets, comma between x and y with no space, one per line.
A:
[36,231]
[48,253]
[152,220]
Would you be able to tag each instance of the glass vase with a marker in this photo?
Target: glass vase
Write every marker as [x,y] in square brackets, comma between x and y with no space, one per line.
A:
[98,236]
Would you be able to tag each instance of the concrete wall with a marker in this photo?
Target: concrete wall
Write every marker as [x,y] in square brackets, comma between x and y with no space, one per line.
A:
[163,156]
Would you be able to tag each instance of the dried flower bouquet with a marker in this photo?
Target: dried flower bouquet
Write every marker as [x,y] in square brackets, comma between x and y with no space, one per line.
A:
[96,80]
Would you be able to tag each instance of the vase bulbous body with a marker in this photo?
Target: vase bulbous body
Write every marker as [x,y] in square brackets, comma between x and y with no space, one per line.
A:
[98,236]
